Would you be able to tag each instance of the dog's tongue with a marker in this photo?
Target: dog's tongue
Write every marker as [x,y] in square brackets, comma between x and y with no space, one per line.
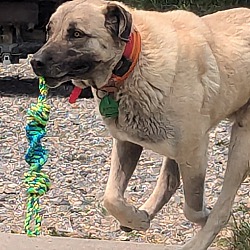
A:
[75,94]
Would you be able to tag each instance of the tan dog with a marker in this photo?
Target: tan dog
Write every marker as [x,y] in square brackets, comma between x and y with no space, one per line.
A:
[190,73]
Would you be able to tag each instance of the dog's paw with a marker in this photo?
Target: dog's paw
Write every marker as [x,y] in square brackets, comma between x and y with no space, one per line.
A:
[126,229]
[140,222]
[198,217]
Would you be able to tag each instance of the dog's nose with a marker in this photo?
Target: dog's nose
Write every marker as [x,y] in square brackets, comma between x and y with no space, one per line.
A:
[38,64]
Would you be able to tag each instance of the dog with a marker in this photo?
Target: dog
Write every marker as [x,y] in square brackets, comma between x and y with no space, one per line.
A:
[161,81]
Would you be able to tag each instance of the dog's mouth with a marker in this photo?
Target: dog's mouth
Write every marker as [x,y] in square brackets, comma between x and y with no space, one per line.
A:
[53,82]
[76,74]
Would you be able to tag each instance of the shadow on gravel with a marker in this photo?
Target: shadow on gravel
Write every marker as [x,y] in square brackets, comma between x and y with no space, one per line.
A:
[15,87]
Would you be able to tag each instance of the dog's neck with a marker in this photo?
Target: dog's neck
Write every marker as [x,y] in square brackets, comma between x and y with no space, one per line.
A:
[126,64]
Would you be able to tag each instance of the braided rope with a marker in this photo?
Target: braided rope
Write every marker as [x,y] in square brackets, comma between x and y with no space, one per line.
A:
[37,183]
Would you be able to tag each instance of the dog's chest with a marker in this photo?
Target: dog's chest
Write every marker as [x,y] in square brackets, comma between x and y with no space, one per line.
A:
[143,119]
[150,130]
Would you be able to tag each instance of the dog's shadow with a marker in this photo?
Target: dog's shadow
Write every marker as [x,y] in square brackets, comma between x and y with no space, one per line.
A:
[17,87]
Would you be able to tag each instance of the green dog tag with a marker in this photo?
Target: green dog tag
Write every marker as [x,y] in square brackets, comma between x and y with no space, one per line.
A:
[108,107]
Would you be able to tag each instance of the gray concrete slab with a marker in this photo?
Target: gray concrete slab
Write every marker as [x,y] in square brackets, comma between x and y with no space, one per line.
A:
[23,242]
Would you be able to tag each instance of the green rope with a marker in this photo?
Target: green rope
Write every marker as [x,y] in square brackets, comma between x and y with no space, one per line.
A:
[37,183]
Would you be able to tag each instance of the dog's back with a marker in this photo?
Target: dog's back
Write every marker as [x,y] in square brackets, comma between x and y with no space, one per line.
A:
[230,43]
[214,48]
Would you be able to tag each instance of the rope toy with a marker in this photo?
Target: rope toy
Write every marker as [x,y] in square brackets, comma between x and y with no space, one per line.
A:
[37,183]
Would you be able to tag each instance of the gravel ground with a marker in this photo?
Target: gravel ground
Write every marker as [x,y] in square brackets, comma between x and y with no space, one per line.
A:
[78,167]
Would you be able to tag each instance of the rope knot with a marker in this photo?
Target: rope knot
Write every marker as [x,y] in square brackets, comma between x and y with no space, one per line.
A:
[37,183]
[39,112]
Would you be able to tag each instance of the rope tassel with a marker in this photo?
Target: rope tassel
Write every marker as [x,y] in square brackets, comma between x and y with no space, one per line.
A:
[37,183]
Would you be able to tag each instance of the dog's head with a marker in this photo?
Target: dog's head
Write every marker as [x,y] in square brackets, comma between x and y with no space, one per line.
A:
[85,40]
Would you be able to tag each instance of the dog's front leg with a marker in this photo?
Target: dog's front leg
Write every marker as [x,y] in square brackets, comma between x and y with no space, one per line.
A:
[167,183]
[125,156]
[237,168]
[193,175]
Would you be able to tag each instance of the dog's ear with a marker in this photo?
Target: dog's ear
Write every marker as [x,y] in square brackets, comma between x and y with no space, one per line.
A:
[118,21]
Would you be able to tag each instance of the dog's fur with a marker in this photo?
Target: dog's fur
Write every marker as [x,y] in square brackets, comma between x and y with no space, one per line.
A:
[192,73]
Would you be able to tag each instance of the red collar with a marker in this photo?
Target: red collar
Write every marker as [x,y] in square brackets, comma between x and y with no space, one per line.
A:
[131,53]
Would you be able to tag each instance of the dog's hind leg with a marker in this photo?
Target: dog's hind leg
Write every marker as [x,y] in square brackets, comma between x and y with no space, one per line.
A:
[237,169]
[193,175]
[125,156]
[167,183]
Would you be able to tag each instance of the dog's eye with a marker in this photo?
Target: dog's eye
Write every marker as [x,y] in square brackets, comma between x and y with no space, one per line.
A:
[77,34]
[73,33]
